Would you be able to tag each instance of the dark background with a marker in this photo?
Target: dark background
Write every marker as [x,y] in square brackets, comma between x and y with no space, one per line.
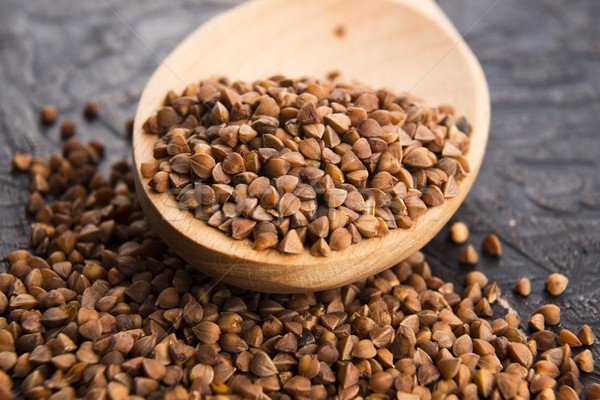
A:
[539,186]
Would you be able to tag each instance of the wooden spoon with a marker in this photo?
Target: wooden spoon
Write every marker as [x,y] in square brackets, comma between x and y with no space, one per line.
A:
[405,45]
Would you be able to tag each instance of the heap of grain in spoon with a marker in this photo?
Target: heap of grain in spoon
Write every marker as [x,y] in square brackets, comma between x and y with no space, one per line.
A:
[295,163]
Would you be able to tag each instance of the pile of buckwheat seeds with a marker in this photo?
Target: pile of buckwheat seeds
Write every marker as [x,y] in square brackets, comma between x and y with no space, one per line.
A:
[295,163]
[101,308]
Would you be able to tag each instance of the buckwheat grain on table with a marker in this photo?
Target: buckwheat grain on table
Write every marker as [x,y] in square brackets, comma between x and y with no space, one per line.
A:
[100,307]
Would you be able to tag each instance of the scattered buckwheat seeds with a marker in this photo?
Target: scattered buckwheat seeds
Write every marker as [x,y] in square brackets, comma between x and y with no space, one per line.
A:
[567,337]
[551,313]
[523,287]
[556,284]
[566,393]
[283,156]
[90,109]
[459,232]
[21,161]
[585,335]
[537,322]
[593,391]
[49,114]
[584,361]
[129,127]
[67,129]
[469,256]
[491,245]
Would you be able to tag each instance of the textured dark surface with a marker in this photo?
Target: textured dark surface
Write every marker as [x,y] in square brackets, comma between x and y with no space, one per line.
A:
[539,187]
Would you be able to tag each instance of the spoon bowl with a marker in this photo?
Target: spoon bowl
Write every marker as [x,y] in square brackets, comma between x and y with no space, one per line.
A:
[404,45]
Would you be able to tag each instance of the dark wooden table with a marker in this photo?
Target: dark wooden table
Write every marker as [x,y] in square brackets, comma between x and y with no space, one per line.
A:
[539,187]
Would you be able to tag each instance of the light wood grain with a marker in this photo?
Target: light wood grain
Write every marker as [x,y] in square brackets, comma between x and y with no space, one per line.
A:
[403,45]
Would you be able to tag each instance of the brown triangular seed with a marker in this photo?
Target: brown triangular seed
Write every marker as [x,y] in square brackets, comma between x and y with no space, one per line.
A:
[585,335]
[291,243]
[469,256]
